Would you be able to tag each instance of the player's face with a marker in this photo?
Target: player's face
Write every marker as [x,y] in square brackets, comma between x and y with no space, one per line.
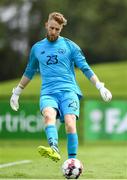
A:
[53,30]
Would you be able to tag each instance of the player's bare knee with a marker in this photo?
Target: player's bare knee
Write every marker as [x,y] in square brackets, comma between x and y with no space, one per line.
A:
[70,128]
[70,123]
[49,115]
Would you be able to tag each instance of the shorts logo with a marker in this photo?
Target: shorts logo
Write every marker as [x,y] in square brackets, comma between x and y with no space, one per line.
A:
[73,105]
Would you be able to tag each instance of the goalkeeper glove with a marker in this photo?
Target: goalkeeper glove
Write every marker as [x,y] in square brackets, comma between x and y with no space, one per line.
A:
[15,97]
[104,92]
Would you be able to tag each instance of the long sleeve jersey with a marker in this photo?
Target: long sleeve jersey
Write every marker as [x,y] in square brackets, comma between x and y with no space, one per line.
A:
[56,62]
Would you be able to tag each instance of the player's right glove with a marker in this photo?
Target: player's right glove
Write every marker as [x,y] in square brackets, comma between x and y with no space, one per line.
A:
[15,97]
[104,92]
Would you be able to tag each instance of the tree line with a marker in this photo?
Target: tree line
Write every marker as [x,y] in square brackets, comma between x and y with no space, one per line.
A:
[97,26]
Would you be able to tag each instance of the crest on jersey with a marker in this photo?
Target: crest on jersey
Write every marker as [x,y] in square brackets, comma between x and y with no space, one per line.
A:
[61,51]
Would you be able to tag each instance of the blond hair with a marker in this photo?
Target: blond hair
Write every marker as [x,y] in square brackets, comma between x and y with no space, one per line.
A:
[57,17]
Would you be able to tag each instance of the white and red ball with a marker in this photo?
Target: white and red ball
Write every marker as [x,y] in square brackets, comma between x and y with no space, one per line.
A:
[72,168]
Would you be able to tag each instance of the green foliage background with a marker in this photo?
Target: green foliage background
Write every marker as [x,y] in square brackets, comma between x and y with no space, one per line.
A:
[99,27]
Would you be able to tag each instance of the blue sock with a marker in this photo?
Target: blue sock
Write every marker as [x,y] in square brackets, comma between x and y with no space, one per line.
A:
[52,135]
[72,145]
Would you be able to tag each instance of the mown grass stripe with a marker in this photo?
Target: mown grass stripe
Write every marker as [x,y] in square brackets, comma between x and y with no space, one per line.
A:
[15,163]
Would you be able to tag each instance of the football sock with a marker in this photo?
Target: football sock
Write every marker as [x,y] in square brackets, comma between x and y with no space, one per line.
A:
[72,145]
[52,136]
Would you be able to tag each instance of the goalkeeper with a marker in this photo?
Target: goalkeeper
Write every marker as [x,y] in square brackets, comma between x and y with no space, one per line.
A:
[55,57]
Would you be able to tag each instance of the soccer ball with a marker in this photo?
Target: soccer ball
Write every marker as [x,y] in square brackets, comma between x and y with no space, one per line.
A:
[72,168]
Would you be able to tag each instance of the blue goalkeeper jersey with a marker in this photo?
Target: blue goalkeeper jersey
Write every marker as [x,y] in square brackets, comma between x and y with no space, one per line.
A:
[55,61]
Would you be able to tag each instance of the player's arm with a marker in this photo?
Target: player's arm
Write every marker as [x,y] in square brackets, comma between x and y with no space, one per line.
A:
[17,91]
[81,63]
[104,92]
[30,70]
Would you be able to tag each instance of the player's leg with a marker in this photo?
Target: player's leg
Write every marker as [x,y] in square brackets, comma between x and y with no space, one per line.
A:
[49,112]
[49,115]
[72,137]
[70,111]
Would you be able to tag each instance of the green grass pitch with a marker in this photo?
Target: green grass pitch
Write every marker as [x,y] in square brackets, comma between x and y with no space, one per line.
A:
[101,160]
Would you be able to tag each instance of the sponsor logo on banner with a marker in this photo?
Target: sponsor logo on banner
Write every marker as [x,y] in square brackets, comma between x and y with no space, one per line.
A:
[105,120]
[23,122]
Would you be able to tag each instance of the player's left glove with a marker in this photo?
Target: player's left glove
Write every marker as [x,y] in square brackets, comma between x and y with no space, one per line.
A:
[15,97]
[104,92]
